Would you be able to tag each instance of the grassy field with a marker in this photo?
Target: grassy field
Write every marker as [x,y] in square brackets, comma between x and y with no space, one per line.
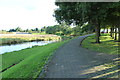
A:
[27,63]
[107,45]
[19,38]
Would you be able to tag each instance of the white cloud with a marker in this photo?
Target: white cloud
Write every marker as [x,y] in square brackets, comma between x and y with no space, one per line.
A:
[26,13]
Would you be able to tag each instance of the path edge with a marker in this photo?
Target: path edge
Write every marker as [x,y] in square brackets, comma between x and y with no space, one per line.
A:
[42,74]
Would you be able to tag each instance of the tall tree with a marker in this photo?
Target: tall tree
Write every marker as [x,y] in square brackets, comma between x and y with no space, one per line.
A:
[18,29]
[94,13]
[81,13]
[113,18]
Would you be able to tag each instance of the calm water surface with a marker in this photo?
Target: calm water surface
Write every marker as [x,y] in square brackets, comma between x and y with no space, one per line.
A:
[17,47]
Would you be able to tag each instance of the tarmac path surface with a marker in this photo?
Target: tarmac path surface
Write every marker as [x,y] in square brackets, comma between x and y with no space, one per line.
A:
[73,61]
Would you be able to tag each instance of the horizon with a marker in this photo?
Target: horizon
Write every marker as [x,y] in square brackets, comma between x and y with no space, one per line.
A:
[26,14]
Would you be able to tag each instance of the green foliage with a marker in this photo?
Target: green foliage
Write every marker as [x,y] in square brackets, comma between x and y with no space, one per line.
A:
[43,29]
[51,30]
[62,29]
[96,14]
[88,28]
[77,30]
[12,30]
[18,29]
[68,12]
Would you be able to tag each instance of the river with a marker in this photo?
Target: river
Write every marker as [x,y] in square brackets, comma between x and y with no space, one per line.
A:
[17,47]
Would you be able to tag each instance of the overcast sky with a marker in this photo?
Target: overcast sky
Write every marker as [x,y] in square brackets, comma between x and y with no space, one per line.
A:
[26,13]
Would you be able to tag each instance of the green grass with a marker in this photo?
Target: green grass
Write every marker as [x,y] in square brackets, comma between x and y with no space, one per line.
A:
[107,45]
[30,61]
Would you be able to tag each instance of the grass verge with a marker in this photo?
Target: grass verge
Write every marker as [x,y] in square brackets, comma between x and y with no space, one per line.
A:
[28,63]
[107,45]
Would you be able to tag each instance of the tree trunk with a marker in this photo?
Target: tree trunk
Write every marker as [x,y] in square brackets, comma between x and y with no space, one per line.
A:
[97,30]
[104,30]
[118,34]
[115,38]
[111,32]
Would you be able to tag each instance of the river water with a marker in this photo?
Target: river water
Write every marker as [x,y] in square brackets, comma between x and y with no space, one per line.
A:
[17,47]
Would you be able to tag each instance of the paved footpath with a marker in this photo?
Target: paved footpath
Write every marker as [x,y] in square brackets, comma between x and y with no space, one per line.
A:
[73,61]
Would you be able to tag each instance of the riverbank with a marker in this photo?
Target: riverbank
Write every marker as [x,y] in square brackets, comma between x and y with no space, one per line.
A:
[17,47]
[20,38]
[27,63]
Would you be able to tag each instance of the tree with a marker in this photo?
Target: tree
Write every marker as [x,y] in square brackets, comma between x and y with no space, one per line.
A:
[43,29]
[18,29]
[94,13]
[12,30]
[113,19]
[88,28]
[50,30]
[36,29]
[77,30]
[81,13]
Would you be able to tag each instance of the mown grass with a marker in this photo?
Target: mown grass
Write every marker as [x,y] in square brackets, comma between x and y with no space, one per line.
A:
[107,45]
[28,63]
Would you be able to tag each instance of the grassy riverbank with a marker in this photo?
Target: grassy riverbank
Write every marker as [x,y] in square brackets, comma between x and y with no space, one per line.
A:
[8,41]
[27,63]
[107,45]
[19,38]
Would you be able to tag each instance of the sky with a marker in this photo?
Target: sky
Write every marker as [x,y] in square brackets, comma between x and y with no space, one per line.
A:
[26,14]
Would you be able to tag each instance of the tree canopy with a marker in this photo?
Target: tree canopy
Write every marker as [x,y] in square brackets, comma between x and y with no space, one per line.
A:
[95,13]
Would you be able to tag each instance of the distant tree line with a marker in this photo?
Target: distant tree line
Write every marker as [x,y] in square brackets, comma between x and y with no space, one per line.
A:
[62,29]
[18,29]
[65,29]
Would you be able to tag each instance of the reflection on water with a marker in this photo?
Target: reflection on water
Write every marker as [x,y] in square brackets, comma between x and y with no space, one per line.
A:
[16,47]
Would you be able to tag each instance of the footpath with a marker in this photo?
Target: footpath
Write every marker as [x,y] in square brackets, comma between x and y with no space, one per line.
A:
[73,61]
